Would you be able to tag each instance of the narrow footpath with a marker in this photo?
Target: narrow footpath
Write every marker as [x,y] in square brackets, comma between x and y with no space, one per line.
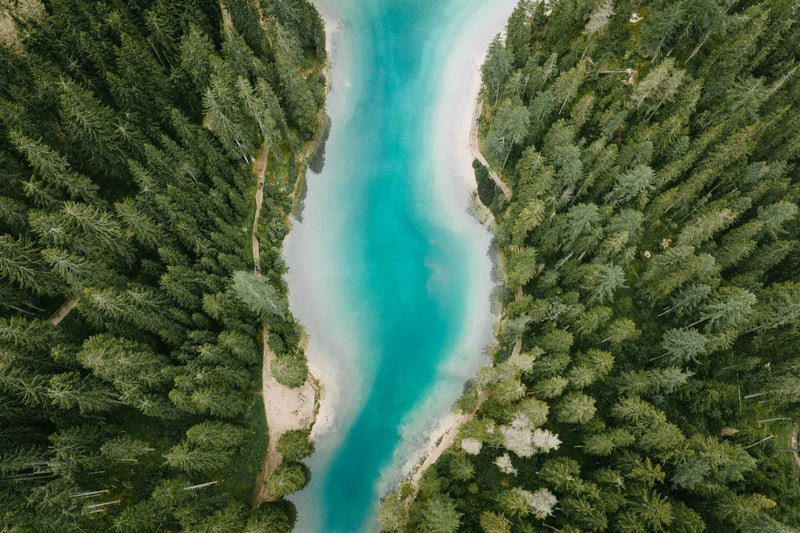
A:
[475,146]
[285,409]
[793,446]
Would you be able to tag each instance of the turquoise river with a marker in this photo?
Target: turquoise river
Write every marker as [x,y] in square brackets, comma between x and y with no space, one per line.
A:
[388,273]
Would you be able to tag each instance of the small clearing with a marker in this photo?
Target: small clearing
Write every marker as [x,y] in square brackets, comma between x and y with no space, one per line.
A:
[285,409]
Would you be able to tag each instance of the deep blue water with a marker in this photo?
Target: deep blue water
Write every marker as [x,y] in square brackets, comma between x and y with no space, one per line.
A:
[402,273]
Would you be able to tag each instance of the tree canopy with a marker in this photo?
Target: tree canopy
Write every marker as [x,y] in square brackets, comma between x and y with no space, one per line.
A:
[651,281]
[129,317]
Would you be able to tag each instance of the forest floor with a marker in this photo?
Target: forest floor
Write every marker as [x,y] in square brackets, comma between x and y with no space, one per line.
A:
[285,409]
[21,9]
[475,145]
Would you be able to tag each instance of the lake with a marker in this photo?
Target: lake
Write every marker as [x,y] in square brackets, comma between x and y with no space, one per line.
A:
[388,272]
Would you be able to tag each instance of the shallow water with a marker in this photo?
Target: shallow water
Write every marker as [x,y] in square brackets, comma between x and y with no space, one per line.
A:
[387,273]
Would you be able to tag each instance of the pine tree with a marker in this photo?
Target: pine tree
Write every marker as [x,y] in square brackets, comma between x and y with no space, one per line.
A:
[19,264]
[575,408]
[258,294]
[288,478]
[497,67]
[683,346]
[226,119]
[392,513]
[633,185]
[71,389]
[197,54]
[246,17]
[295,445]
[610,279]
[54,168]
[494,523]
[297,98]
[441,515]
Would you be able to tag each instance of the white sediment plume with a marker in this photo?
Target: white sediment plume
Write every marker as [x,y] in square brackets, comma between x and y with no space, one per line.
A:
[468,35]
[315,295]
[335,351]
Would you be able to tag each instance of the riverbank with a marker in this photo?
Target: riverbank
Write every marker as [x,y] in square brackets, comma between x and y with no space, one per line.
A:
[285,409]
[320,353]
[389,272]
[475,149]
[455,189]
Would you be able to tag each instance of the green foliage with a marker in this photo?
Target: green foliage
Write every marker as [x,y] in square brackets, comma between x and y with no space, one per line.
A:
[651,249]
[441,515]
[288,478]
[129,323]
[290,370]
[494,523]
[295,445]
[269,517]
[487,188]
[392,513]
[461,468]
[258,294]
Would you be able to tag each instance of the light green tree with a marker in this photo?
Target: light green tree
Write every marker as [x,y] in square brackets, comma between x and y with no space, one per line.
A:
[441,515]
[295,444]
[494,523]
[288,478]
[497,67]
[257,293]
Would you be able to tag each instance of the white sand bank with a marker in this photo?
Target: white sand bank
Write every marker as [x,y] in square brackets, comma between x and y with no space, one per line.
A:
[335,349]
[453,186]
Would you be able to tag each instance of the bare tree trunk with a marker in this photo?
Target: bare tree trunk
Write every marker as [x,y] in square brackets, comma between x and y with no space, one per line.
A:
[201,485]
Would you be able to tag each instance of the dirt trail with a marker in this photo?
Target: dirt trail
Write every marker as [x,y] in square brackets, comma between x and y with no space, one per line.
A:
[793,446]
[518,342]
[260,169]
[475,146]
[284,408]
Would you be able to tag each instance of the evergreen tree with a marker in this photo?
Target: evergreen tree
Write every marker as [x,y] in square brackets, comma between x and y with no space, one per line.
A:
[656,182]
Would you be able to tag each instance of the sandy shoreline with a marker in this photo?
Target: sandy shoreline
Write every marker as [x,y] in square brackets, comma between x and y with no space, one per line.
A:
[433,422]
[333,350]
[284,408]
[320,361]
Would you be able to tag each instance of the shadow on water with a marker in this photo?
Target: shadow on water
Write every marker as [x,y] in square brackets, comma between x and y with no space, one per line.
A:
[317,162]
[315,165]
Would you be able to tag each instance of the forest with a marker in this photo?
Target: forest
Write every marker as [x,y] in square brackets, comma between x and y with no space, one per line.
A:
[131,320]
[646,376]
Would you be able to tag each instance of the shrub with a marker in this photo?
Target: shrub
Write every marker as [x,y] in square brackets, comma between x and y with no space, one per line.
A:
[290,370]
[295,445]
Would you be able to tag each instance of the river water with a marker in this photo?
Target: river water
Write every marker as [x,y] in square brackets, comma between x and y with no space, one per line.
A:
[388,273]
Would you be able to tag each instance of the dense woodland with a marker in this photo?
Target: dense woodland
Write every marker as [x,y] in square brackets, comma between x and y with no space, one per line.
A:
[647,375]
[128,131]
